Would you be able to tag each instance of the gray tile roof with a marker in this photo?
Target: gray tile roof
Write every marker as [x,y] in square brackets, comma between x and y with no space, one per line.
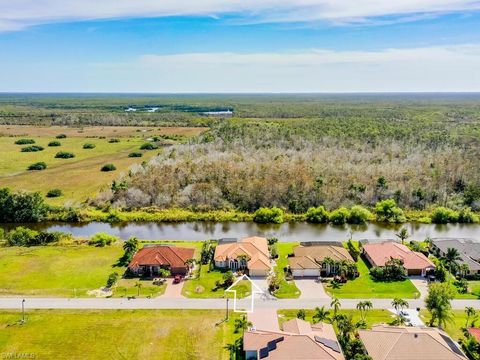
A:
[469,250]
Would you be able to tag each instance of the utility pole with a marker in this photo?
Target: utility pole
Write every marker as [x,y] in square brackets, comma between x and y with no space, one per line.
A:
[23,311]
[226,318]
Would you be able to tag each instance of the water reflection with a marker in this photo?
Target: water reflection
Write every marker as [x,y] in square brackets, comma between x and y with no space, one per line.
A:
[194,231]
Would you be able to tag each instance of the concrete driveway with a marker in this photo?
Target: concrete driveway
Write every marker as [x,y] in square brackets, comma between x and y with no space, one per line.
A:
[173,291]
[311,289]
[421,284]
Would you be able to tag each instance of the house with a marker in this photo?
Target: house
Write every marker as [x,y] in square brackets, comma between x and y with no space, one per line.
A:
[475,332]
[309,260]
[468,249]
[414,262]
[409,343]
[150,259]
[299,340]
[250,254]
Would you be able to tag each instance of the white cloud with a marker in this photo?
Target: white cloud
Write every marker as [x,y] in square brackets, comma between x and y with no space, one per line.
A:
[435,69]
[17,14]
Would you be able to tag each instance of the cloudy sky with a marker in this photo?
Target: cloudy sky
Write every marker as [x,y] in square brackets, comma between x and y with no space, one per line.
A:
[239,45]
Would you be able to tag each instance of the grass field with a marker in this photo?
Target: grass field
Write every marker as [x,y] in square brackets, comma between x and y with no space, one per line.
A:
[364,287]
[373,316]
[288,289]
[79,177]
[118,334]
[56,270]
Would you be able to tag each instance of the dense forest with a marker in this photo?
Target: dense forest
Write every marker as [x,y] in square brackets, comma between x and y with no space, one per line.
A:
[335,152]
[290,151]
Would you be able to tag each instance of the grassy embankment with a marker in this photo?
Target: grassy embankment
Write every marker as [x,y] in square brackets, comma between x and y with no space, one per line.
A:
[80,177]
[118,334]
[69,271]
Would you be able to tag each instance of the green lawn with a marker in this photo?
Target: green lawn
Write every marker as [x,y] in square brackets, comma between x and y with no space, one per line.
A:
[205,285]
[473,291]
[127,288]
[288,289]
[365,287]
[454,328]
[118,334]
[373,316]
[56,270]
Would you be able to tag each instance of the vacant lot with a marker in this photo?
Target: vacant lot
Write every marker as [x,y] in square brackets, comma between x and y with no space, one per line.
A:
[365,287]
[118,334]
[56,270]
[80,177]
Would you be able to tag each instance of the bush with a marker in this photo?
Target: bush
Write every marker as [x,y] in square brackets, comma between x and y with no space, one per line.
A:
[24,141]
[135,154]
[467,216]
[21,207]
[33,148]
[148,146]
[339,216]
[61,136]
[64,155]
[38,166]
[102,239]
[112,280]
[54,143]
[88,146]
[108,167]
[114,140]
[443,215]
[387,210]
[21,236]
[358,215]
[54,193]
[392,271]
[317,215]
[268,215]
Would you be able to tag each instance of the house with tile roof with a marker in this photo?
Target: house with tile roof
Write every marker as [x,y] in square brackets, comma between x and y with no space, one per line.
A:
[298,340]
[468,249]
[384,342]
[414,262]
[309,260]
[150,259]
[249,254]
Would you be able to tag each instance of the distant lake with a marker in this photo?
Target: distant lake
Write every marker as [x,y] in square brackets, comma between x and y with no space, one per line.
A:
[287,232]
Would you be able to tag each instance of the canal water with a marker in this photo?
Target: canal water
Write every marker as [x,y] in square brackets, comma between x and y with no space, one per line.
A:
[287,232]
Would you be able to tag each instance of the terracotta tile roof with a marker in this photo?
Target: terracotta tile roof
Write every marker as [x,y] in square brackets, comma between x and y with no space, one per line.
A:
[162,255]
[409,343]
[475,332]
[298,340]
[382,252]
[303,262]
[256,248]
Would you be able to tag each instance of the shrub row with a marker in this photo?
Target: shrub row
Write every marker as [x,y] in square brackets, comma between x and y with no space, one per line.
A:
[33,148]
[22,236]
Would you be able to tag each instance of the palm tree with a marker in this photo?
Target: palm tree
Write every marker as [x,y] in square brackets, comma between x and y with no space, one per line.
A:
[320,314]
[464,269]
[363,307]
[242,324]
[328,263]
[399,305]
[190,263]
[335,304]
[470,312]
[402,234]
[451,257]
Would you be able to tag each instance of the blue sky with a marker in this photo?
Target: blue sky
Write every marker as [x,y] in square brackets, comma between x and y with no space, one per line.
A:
[229,46]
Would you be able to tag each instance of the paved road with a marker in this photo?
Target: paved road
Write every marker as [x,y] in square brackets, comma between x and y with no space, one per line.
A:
[184,303]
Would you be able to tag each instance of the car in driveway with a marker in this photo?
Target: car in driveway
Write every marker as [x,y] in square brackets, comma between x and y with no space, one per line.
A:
[177,279]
